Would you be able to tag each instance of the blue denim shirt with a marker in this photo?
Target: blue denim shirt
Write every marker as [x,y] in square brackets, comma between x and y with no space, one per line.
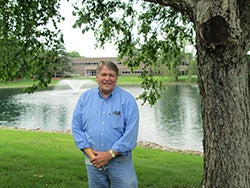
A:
[104,124]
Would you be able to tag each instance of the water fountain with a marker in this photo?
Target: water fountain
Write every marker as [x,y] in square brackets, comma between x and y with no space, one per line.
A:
[66,86]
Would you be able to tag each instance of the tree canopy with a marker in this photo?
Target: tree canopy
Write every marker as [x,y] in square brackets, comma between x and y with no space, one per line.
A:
[73,54]
[146,34]
[30,42]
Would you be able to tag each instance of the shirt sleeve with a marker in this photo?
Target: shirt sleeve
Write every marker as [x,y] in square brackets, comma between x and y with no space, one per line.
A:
[128,141]
[78,130]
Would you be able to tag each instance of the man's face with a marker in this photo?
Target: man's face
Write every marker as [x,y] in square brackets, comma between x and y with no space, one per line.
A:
[106,80]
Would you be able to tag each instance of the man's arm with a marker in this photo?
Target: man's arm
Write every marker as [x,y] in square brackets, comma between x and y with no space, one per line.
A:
[89,152]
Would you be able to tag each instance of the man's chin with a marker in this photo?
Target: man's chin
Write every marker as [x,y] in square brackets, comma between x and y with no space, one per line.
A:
[107,89]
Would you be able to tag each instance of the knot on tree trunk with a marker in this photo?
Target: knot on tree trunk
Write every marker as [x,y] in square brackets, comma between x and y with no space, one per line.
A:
[215,31]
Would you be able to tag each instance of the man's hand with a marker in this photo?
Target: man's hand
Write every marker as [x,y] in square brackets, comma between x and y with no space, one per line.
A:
[101,158]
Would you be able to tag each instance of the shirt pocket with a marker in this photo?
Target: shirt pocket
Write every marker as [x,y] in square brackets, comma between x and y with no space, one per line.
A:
[116,120]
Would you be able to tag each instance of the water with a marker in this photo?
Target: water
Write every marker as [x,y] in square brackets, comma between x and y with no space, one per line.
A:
[174,121]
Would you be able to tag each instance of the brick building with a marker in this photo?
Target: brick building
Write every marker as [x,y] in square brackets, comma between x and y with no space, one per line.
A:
[87,66]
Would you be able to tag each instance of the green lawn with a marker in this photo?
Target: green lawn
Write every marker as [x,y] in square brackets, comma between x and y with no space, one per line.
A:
[42,159]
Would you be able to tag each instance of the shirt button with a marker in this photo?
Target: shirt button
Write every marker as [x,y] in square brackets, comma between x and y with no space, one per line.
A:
[101,133]
[102,122]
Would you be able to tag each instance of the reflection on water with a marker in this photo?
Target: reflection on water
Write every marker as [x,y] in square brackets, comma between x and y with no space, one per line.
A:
[174,121]
[178,116]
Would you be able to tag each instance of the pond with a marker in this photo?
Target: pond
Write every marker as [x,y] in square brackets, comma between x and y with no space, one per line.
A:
[174,121]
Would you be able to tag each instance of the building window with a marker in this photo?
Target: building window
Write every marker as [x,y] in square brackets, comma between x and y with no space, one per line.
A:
[125,72]
[137,71]
[118,63]
[76,63]
[90,73]
[89,63]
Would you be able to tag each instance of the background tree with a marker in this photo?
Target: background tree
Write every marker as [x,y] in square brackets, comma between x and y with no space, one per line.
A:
[64,64]
[193,69]
[222,41]
[180,60]
[73,54]
[28,48]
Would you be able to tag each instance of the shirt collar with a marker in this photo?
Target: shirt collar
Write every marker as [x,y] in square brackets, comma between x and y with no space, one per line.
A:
[110,95]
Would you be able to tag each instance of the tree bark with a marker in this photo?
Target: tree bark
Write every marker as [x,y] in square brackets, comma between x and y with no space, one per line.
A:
[223,83]
[225,112]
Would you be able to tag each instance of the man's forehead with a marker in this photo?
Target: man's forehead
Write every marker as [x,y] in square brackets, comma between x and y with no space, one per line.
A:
[106,69]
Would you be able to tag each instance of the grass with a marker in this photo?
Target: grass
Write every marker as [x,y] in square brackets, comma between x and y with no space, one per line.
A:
[42,159]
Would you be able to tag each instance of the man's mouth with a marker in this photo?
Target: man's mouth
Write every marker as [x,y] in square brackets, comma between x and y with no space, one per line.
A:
[107,83]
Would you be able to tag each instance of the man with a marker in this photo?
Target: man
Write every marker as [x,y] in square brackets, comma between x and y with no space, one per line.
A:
[105,127]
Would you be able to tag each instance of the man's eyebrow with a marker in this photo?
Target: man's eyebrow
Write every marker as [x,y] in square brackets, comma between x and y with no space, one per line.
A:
[108,74]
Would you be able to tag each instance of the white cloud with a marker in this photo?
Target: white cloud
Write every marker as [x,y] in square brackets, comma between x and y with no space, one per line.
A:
[76,41]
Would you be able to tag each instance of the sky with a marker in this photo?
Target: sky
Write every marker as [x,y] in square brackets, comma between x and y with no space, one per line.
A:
[84,44]
[76,41]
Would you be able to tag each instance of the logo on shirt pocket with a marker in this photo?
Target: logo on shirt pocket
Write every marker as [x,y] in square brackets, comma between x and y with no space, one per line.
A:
[116,112]
[116,119]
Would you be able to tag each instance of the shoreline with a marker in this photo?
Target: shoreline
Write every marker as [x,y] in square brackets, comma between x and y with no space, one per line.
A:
[145,144]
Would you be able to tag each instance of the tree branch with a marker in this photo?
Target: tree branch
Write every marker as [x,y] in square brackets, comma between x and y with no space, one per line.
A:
[186,7]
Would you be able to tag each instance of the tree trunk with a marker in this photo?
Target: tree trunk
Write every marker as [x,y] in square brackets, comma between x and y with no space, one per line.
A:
[222,39]
[223,84]
[225,113]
